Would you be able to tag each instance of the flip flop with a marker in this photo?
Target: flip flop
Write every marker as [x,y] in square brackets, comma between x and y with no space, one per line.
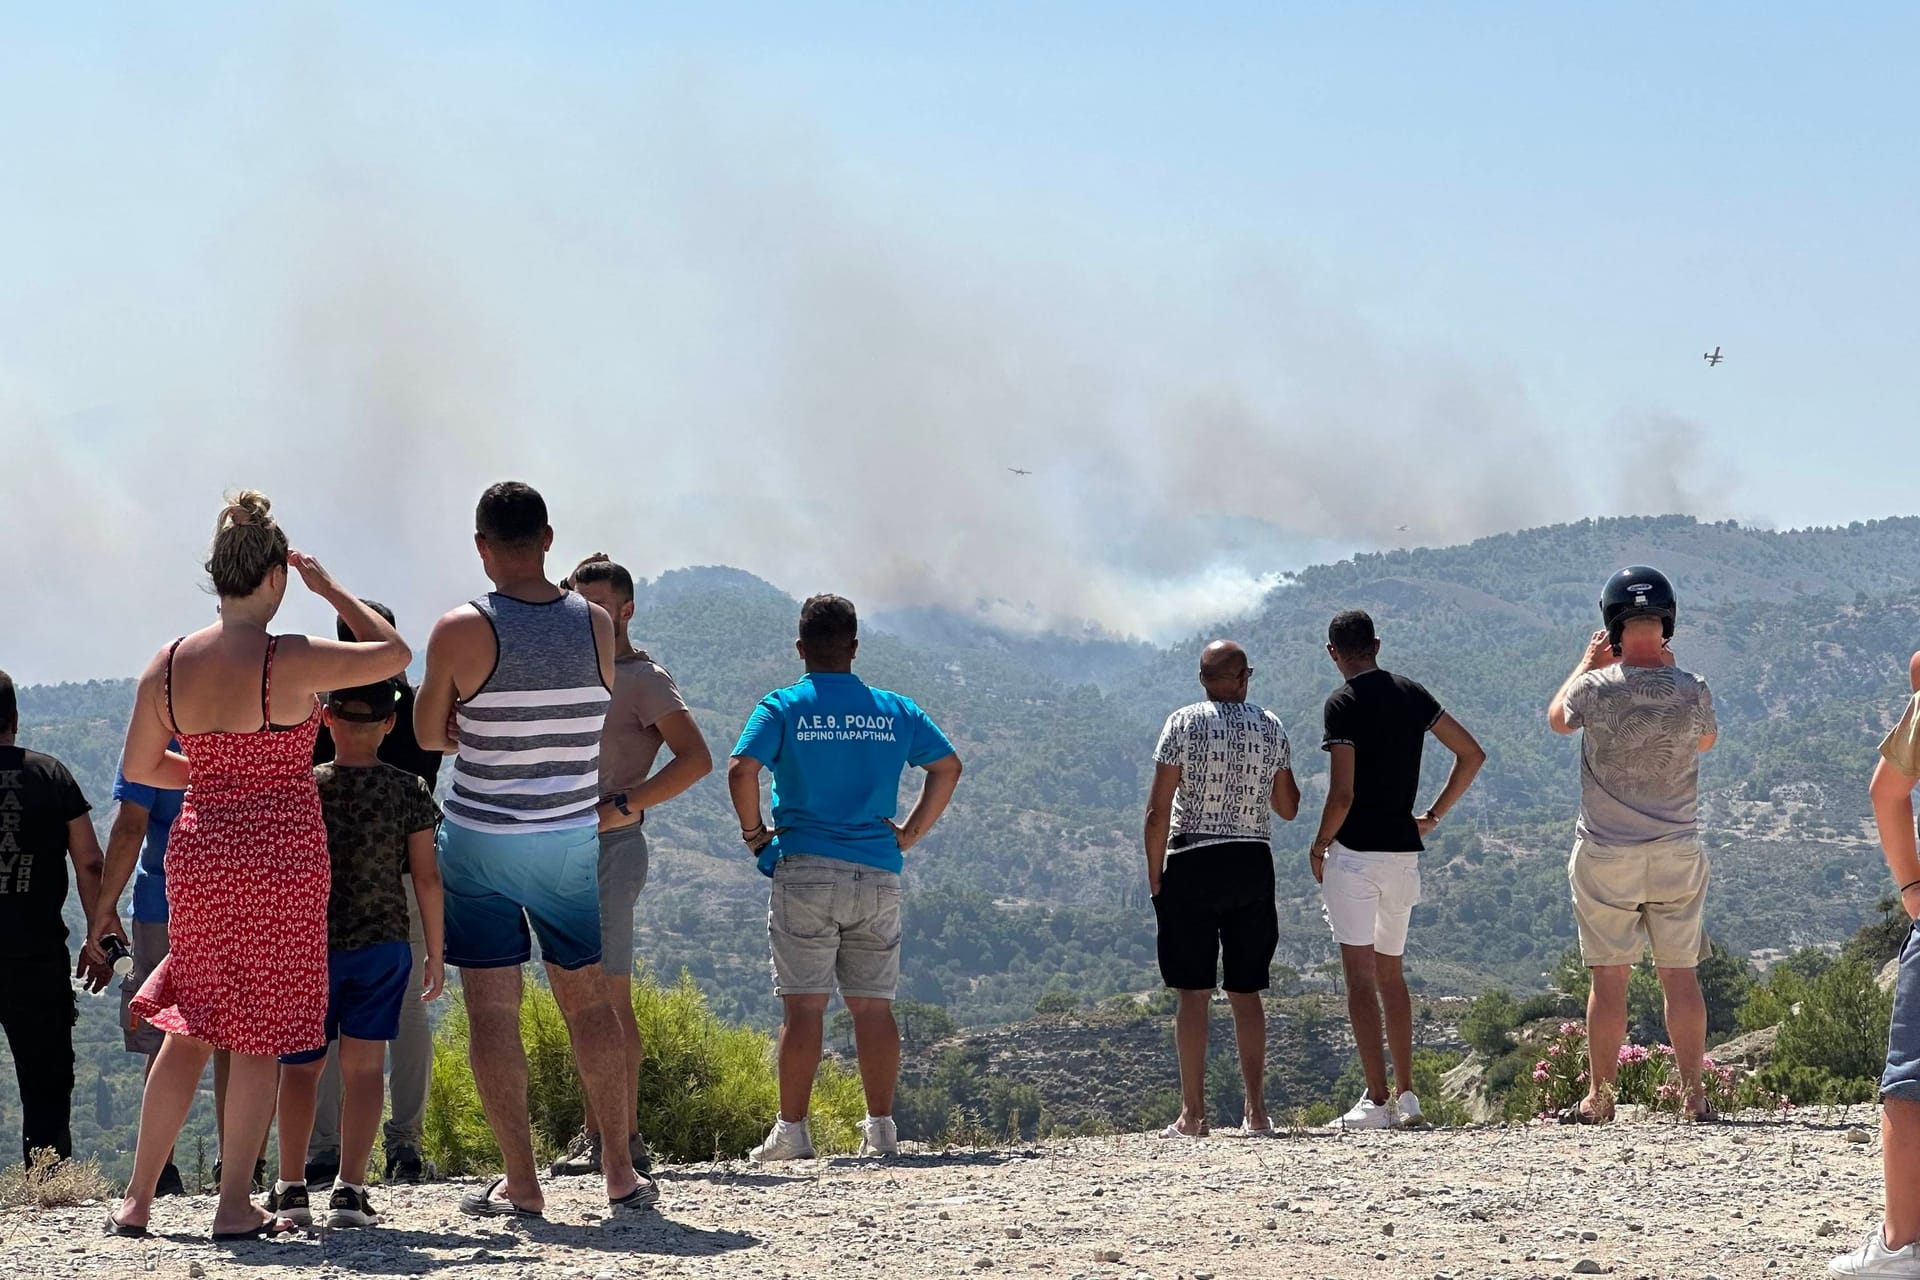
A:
[128,1230]
[482,1204]
[1709,1116]
[1246,1131]
[1578,1114]
[644,1196]
[1173,1131]
[274,1226]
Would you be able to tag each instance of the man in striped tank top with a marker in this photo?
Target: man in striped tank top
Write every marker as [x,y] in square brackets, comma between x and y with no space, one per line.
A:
[517,687]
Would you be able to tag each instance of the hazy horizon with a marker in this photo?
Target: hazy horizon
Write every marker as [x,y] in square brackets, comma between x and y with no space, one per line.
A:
[302,612]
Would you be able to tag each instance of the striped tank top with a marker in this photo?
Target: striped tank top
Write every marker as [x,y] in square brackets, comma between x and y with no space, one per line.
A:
[529,756]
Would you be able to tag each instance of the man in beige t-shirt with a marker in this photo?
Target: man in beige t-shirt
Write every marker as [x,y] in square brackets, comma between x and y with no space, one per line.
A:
[647,713]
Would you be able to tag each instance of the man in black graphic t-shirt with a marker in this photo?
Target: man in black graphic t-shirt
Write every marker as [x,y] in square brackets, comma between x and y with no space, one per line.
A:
[43,823]
[1367,855]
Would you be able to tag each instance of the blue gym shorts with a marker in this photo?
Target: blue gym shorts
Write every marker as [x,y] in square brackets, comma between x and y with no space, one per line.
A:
[1901,1079]
[503,888]
[366,989]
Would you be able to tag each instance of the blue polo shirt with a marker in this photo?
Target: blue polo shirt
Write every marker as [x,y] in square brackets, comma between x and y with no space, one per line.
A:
[150,878]
[836,749]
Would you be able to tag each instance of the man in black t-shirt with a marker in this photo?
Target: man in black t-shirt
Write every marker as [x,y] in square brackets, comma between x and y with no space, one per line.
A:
[1367,854]
[43,823]
[409,1054]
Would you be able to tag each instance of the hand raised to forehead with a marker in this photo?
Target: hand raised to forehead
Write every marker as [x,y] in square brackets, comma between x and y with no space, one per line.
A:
[312,573]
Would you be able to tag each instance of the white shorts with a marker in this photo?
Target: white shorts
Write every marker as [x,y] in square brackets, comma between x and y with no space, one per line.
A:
[1370,897]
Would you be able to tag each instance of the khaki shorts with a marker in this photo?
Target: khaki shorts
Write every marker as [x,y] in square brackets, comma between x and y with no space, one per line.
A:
[834,923]
[150,946]
[1626,898]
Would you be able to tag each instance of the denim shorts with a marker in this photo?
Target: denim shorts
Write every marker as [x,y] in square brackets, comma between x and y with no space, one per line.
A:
[834,923]
[503,888]
[1901,1079]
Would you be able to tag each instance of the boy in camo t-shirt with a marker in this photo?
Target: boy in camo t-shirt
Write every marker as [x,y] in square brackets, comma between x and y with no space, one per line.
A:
[380,828]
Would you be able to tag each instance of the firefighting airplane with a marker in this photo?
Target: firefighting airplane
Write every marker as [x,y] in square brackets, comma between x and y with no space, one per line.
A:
[1017,471]
[1712,357]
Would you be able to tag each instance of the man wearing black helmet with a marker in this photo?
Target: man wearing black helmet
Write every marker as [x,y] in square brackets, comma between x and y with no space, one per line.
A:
[1638,872]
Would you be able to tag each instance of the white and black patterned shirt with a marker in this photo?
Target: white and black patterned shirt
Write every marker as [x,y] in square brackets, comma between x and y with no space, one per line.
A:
[1229,754]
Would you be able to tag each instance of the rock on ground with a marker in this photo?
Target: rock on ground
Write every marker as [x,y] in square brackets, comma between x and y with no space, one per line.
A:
[1649,1198]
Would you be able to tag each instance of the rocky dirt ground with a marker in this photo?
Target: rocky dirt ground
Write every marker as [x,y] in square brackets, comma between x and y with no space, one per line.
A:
[1761,1198]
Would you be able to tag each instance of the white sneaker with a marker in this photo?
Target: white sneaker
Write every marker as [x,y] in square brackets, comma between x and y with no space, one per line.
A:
[1873,1258]
[879,1136]
[784,1142]
[1407,1112]
[1366,1114]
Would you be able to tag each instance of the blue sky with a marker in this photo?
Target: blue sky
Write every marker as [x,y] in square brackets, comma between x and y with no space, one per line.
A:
[809,275]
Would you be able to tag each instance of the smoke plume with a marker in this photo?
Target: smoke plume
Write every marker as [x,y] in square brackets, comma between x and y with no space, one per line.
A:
[709,337]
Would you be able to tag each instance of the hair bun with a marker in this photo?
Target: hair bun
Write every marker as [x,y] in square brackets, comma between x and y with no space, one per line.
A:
[247,507]
[246,543]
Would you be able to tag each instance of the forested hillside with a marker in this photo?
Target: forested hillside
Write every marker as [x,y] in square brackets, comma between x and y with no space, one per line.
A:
[1033,883]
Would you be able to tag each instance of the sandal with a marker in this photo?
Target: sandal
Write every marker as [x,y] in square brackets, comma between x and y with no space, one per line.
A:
[1174,1131]
[643,1196]
[128,1230]
[267,1229]
[1578,1114]
[482,1204]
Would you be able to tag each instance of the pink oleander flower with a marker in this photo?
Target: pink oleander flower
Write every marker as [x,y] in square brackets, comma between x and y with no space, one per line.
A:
[1633,1053]
[1570,1029]
[1540,1071]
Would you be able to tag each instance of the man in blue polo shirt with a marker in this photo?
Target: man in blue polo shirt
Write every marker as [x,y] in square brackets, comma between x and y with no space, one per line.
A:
[836,748]
[137,846]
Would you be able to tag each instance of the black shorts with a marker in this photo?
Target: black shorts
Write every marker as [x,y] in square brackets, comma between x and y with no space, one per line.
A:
[1216,911]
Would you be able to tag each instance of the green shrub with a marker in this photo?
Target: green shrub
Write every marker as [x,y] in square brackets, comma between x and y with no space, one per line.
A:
[707,1090]
[1813,1086]
[1841,1026]
[1549,1004]
[1490,1018]
[1879,942]
[1771,1003]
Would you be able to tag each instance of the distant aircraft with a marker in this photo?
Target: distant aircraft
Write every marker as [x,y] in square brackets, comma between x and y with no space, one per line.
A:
[1401,529]
[1712,357]
[1017,471]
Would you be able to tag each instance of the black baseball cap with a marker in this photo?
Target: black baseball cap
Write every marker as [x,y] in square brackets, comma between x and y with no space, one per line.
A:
[365,704]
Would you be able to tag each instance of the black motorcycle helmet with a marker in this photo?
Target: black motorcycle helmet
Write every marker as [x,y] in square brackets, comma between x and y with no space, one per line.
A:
[1637,592]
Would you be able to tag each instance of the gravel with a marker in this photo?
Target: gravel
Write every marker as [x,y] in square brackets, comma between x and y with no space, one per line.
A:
[1510,1203]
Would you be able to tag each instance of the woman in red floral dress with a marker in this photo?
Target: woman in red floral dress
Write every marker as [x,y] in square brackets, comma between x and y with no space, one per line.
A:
[247,873]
